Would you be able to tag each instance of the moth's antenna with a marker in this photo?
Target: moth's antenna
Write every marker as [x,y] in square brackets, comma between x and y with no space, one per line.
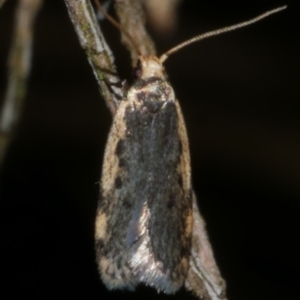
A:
[116,24]
[219,31]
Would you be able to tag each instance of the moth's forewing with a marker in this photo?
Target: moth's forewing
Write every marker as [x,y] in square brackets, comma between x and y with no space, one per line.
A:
[144,218]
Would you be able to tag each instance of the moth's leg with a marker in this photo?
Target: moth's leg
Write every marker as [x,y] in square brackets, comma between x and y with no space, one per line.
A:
[114,85]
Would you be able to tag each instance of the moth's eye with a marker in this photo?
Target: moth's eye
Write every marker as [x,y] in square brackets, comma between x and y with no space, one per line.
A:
[137,71]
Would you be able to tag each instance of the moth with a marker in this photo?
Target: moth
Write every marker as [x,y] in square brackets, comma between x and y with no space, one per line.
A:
[148,224]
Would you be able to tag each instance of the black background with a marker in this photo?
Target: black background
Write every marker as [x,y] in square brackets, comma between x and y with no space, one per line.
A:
[239,93]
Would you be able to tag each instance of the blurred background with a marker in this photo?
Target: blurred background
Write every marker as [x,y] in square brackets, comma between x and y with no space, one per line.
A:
[239,93]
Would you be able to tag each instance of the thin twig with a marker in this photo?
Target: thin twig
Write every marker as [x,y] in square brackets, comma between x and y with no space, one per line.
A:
[117,25]
[18,70]
[204,278]
[163,15]
[132,18]
[2,2]
[97,51]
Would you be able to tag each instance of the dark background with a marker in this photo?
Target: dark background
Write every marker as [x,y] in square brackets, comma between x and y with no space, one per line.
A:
[239,93]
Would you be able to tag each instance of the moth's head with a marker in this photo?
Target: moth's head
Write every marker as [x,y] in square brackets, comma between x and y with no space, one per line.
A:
[149,66]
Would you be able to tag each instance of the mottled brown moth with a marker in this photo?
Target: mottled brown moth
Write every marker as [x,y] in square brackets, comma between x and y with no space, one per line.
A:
[148,223]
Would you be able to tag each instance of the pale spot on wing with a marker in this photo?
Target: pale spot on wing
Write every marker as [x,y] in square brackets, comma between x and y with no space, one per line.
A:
[101,224]
[105,263]
[189,224]
[184,263]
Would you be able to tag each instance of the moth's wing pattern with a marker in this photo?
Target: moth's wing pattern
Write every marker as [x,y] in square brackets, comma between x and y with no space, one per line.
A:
[144,220]
[160,236]
[114,211]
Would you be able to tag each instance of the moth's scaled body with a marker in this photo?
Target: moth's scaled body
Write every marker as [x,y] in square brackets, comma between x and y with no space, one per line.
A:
[144,216]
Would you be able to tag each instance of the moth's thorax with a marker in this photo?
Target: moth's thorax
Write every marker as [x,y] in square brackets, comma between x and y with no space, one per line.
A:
[150,94]
[151,67]
[150,91]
